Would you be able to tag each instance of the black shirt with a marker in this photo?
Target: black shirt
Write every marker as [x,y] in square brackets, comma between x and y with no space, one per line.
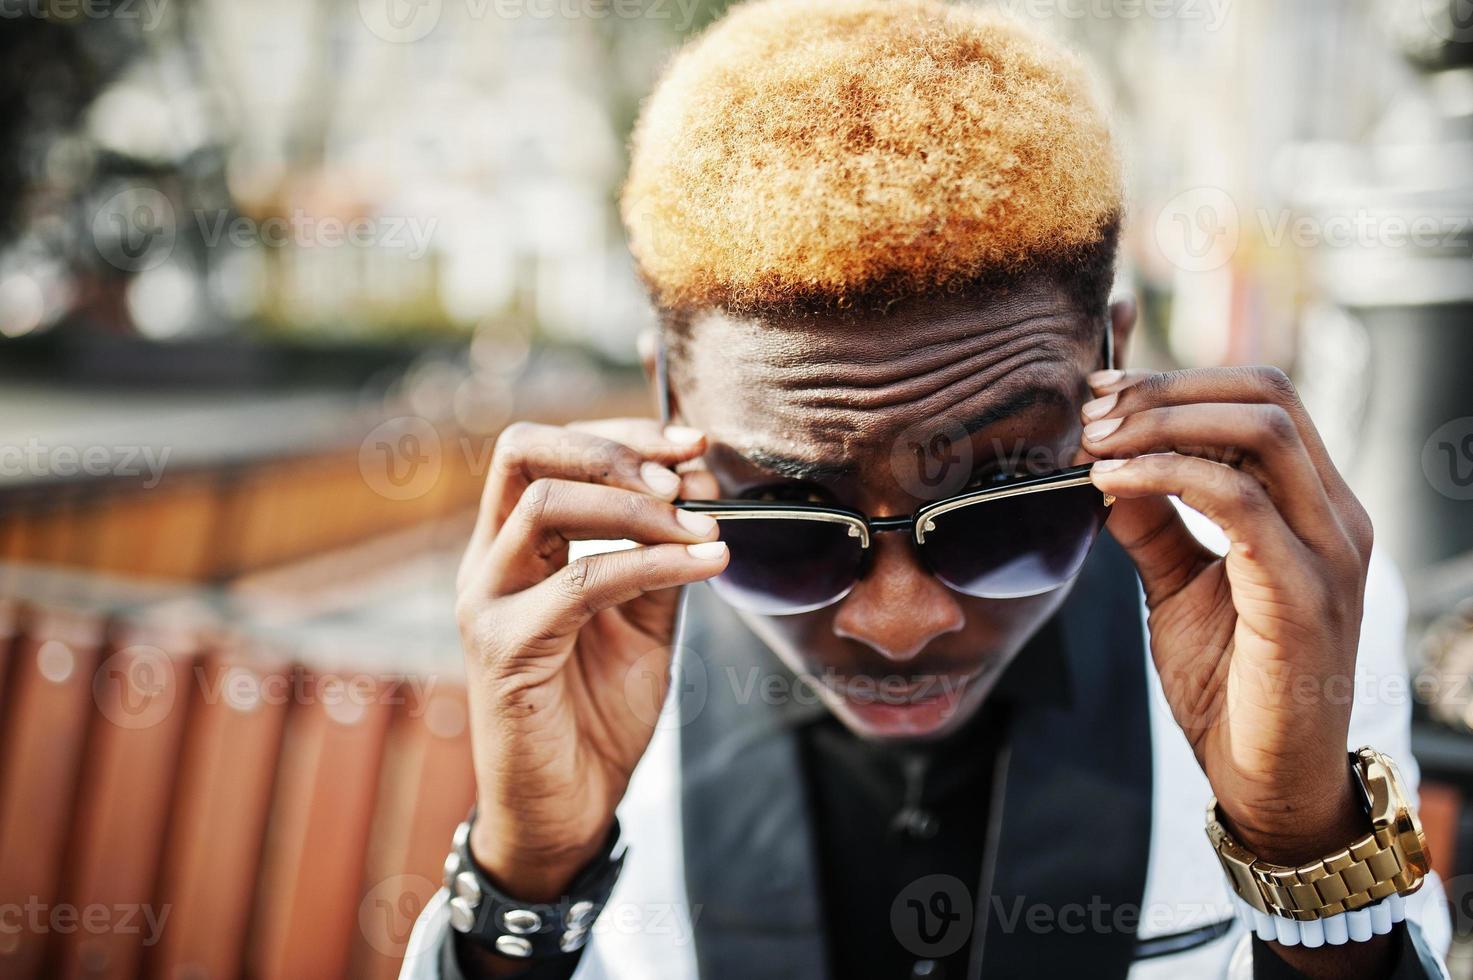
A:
[901,829]
[900,834]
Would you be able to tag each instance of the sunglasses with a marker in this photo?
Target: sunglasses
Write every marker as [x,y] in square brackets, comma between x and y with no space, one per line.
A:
[1020,538]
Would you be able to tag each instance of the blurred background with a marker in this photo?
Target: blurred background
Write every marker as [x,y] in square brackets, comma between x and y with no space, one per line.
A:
[273,276]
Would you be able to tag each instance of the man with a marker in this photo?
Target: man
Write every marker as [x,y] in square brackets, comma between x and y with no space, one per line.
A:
[916,731]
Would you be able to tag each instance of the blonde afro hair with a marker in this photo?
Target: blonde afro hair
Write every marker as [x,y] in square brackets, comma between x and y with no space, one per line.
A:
[832,153]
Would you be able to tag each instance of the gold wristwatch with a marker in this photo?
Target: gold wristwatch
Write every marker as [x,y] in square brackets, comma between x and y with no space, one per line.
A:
[1392,858]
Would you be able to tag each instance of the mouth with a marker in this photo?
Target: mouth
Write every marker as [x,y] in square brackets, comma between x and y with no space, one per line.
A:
[897,689]
[899,706]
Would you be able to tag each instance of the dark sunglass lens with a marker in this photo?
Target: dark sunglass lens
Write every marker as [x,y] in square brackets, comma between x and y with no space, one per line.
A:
[780,566]
[1016,546]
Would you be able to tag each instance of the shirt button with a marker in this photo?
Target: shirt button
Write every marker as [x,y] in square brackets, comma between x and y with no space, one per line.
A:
[919,824]
[927,970]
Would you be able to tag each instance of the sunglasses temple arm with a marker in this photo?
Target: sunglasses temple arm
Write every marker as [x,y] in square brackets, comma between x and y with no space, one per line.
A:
[677,635]
[1109,346]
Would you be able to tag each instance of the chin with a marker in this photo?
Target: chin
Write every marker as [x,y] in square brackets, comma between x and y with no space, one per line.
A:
[919,718]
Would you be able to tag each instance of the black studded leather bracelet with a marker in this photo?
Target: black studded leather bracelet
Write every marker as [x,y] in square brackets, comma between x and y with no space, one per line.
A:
[527,930]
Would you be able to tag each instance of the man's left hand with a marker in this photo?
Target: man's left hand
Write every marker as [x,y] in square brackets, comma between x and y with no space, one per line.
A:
[1256,649]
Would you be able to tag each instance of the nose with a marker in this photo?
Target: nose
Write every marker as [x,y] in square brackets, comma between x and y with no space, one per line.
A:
[899,607]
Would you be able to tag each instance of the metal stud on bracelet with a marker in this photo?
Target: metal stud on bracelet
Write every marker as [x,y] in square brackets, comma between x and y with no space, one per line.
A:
[522,930]
[520,922]
[513,946]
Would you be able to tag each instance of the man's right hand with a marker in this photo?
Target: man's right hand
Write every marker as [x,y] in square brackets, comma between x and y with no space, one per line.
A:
[557,723]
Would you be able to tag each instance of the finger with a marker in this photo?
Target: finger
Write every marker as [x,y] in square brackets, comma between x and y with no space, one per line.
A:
[699,485]
[528,451]
[1261,438]
[563,603]
[1242,385]
[1106,382]
[1165,551]
[668,444]
[1259,539]
[654,613]
[533,543]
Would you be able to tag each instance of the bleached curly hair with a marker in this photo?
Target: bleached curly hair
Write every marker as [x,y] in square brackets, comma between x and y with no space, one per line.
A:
[833,155]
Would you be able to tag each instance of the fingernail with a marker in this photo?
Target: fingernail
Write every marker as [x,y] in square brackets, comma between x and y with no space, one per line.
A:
[1096,431]
[1103,379]
[657,478]
[1098,407]
[696,523]
[707,550]
[682,435]
[1106,465]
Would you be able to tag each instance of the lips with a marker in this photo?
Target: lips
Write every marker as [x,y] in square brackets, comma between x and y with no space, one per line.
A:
[896,690]
[928,713]
[901,706]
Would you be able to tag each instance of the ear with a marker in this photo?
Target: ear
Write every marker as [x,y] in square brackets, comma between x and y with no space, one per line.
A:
[648,344]
[1122,324]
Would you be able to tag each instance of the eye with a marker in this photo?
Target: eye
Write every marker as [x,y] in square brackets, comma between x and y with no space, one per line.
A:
[993,474]
[788,493]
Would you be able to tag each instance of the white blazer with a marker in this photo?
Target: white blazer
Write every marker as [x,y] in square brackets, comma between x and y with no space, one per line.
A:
[646,933]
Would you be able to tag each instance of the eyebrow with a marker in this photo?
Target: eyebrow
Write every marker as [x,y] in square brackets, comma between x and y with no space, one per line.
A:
[818,471]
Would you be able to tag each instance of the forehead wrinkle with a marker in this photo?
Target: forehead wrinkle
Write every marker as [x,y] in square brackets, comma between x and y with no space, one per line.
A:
[800,386]
[896,382]
[867,364]
[975,409]
[848,364]
[788,343]
[983,370]
[844,435]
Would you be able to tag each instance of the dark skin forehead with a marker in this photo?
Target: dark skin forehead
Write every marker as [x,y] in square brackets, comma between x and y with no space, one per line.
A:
[840,403]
